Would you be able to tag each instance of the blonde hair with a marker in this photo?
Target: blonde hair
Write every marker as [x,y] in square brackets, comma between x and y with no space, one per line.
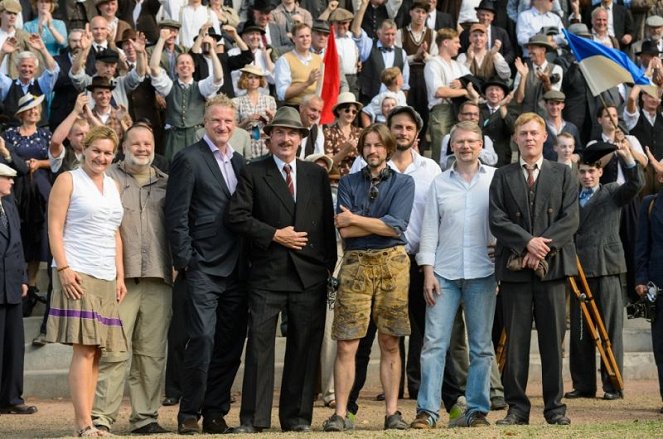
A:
[101,133]
[527,118]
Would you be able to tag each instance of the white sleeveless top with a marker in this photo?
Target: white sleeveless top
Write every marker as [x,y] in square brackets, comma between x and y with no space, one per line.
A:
[90,226]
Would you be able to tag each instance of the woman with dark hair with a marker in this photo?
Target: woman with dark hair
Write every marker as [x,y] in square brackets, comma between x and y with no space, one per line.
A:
[84,215]
[341,136]
[254,109]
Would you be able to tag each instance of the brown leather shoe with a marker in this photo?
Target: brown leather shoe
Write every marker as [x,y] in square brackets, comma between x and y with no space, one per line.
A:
[19,409]
[189,426]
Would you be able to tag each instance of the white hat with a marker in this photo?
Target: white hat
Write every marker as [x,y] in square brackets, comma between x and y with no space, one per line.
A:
[6,171]
[315,157]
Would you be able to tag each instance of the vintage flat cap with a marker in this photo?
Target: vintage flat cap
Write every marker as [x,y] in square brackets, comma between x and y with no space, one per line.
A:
[287,117]
[499,83]
[341,14]
[29,101]
[409,110]
[595,151]
[128,34]
[11,6]
[554,95]
[172,24]
[101,82]
[654,21]
[486,5]
[6,171]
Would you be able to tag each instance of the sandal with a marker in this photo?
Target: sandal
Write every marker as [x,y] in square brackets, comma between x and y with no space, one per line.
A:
[331,404]
[88,431]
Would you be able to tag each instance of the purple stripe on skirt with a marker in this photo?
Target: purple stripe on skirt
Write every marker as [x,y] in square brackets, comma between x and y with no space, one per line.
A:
[92,315]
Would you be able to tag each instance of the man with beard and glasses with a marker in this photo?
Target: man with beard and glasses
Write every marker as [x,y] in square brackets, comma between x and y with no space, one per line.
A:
[373,211]
[146,310]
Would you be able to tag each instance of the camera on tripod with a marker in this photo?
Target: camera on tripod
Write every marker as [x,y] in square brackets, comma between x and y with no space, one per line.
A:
[644,308]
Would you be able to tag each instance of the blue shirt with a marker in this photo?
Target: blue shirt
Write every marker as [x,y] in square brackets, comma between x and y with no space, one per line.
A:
[392,206]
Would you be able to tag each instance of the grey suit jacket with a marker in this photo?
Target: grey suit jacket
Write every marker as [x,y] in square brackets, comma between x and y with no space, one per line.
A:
[554,215]
[280,41]
[597,241]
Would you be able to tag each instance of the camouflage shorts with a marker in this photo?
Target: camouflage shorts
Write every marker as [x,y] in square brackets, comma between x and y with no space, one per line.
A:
[377,280]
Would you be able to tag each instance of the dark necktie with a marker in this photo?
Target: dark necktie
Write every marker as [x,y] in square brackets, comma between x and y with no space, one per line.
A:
[4,224]
[310,141]
[386,49]
[288,179]
[530,175]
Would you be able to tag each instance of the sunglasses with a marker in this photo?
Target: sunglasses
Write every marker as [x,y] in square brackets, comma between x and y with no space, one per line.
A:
[350,110]
[373,191]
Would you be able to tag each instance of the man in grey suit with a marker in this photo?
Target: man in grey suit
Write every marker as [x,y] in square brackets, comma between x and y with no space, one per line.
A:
[275,35]
[206,255]
[533,215]
[602,257]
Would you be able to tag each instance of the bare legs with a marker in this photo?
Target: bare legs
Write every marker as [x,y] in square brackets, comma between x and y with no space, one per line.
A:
[83,374]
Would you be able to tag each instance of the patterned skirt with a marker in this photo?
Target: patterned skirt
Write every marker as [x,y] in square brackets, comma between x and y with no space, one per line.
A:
[94,320]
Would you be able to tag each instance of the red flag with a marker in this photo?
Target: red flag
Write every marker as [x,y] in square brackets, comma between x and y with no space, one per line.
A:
[331,80]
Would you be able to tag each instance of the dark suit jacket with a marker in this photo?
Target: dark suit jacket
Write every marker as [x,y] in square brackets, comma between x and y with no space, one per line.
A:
[12,262]
[262,204]
[499,130]
[597,241]
[196,200]
[622,20]
[496,33]
[555,216]
[649,244]
[147,22]
[72,12]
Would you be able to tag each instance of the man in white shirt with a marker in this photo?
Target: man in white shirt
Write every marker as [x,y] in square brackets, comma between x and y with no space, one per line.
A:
[453,253]
[531,21]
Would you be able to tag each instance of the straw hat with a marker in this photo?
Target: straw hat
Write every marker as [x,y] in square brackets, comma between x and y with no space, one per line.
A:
[29,101]
[346,98]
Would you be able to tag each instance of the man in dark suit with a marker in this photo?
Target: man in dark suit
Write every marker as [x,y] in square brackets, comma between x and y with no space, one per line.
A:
[602,257]
[486,14]
[283,208]
[534,215]
[622,21]
[498,118]
[275,36]
[13,288]
[206,254]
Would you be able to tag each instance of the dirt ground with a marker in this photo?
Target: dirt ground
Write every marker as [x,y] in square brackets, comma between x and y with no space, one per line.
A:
[636,416]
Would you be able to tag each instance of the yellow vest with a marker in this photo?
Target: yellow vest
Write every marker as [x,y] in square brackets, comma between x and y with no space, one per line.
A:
[300,73]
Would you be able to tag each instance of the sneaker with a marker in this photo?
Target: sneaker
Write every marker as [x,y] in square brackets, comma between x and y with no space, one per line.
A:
[474,419]
[337,423]
[423,421]
[457,410]
[395,422]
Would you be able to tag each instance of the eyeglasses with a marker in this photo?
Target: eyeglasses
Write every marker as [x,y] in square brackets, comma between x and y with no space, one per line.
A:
[373,191]
[350,110]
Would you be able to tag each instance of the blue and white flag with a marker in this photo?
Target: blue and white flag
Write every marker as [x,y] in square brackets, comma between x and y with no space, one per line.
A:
[605,67]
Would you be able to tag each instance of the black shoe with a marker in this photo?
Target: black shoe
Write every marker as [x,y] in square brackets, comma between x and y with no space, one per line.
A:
[151,428]
[497,403]
[18,409]
[189,426]
[303,428]
[380,397]
[246,429]
[574,394]
[611,396]
[512,419]
[170,400]
[559,420]
[216,426]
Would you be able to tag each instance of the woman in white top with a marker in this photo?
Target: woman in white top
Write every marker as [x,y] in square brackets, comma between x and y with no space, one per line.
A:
[84,215]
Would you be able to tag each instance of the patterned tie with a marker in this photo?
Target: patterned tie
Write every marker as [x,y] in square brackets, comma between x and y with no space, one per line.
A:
[288,179]
[4,224]
[585,195]
[530,174]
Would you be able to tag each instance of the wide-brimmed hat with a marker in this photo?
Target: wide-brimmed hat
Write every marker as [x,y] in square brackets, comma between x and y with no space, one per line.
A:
[499,83]
[287,117]
[486,5]
[128,34]
[107,56]
[315,157]
[11,6]
[101,82]
[29,101]
[253,70]
[263,6]
[6,171]
[580,29]
[347,98]
[595,151]
[540,40]
[320,26]
[251,26]
[340,14]
[173,24]
[648,47]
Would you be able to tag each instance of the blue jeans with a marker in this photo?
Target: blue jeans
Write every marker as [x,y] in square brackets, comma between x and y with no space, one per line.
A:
[478,296]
